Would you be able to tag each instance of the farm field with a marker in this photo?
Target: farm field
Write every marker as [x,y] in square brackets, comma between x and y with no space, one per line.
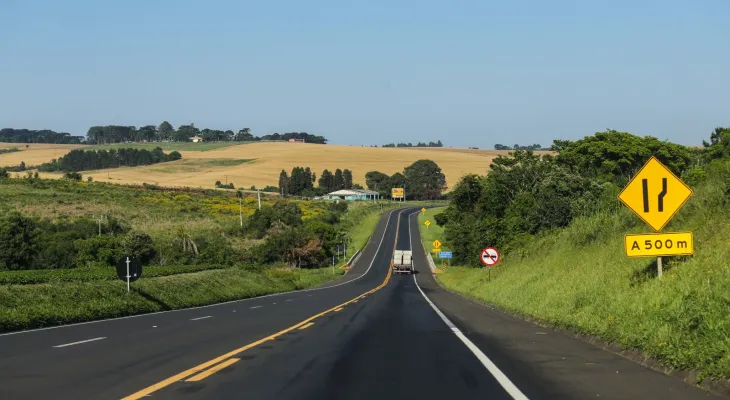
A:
[259,164]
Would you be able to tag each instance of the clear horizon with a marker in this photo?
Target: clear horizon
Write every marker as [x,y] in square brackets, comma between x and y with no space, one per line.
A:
[468,74]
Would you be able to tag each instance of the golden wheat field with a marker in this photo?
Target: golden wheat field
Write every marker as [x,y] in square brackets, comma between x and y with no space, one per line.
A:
[259,164]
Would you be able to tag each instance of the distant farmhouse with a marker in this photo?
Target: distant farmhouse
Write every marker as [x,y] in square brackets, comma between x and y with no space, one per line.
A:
[352,194]
[196,139]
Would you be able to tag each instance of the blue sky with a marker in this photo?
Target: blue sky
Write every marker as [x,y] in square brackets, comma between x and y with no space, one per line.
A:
[470,73]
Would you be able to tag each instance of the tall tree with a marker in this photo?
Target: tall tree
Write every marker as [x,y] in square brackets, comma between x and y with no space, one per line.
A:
[283,183]
[339,181]
[397,180]
[424,180]
[326,181]
[379,182]
[347,179]
[165,131]
[309,182]
[185,132]
[147,132]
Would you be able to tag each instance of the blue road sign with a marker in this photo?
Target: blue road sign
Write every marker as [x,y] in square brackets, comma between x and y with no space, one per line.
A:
[445,254]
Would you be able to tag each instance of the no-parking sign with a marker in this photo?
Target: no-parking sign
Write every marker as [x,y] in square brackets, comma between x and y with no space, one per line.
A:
[490,256]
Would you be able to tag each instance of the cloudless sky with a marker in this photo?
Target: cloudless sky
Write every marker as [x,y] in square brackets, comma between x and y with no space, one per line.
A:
[470,73]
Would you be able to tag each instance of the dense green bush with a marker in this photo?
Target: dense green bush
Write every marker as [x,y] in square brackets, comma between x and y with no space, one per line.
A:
[103,249]
[73,176]
[19,242]
[138,245]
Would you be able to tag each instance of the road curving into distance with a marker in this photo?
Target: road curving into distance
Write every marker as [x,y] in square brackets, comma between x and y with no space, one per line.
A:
[368,335]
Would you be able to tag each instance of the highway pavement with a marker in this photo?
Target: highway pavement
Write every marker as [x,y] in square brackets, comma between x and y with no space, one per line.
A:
[369,335]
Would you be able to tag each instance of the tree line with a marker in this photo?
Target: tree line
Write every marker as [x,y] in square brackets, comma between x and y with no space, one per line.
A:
[301,182]
[423,180]
[84,160]
[10,135]
[419,144]
[28,242]
[526,194]
[166,132]
[518,147]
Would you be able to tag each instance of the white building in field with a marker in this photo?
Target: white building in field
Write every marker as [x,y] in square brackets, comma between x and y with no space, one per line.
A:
[352,194]
[196,139]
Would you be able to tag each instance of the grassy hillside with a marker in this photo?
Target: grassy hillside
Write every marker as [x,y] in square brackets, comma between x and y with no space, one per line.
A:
[197,168]
[579,278]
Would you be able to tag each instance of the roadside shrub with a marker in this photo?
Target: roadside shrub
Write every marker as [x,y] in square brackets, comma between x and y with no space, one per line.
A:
[340,207]
[58,251]
[105,249]
[215,250]
[4,173]
[18,242]
[138,245]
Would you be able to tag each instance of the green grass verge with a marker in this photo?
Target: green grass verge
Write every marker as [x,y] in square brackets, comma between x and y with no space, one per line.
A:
[97,273]
[35,306]
[433,232]
[579,278]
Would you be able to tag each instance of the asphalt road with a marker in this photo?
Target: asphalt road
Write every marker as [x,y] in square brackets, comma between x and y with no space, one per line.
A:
[369,335]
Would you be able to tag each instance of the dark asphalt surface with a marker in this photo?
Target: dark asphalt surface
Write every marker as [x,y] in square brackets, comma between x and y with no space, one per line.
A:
[390,344]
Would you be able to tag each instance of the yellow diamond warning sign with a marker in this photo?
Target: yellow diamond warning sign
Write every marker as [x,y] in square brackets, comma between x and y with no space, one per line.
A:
[659,244]
[655,194]
[436,243]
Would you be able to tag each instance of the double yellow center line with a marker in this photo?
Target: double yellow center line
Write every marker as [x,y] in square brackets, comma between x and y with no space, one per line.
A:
[228,359]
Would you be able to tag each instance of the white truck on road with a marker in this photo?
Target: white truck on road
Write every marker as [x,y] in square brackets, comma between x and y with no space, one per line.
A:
[403,261]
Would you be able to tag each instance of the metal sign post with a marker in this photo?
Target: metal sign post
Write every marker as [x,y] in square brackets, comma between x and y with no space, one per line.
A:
[489,257]
[128,276]
[655,195]
[129,270]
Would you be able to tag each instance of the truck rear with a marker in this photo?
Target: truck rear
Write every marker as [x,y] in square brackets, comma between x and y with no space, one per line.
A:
[403,261]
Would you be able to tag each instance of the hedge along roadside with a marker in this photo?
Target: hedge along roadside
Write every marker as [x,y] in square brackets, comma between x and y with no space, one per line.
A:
[43,305]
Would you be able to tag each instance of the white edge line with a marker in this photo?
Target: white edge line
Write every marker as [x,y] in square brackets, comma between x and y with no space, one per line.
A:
[256,307]
[80,342]
[216,304]
[508,386]
[199,318]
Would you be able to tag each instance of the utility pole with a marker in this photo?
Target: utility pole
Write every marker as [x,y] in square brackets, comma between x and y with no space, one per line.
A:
[259,194]
[101,216]
[240,206]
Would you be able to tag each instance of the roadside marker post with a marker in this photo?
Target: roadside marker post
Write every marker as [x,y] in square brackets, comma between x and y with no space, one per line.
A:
[655,195]
[129,270]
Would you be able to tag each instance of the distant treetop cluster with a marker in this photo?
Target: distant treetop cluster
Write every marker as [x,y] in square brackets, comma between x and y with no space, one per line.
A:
[165,132]
[10,135]
[420,144]
[518,147]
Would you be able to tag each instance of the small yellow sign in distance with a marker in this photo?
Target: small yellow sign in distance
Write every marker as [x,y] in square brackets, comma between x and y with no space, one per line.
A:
[423,210]
[397,192]
[427,223]
[659,244]
[435,250]
[436,243]
[655,194]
